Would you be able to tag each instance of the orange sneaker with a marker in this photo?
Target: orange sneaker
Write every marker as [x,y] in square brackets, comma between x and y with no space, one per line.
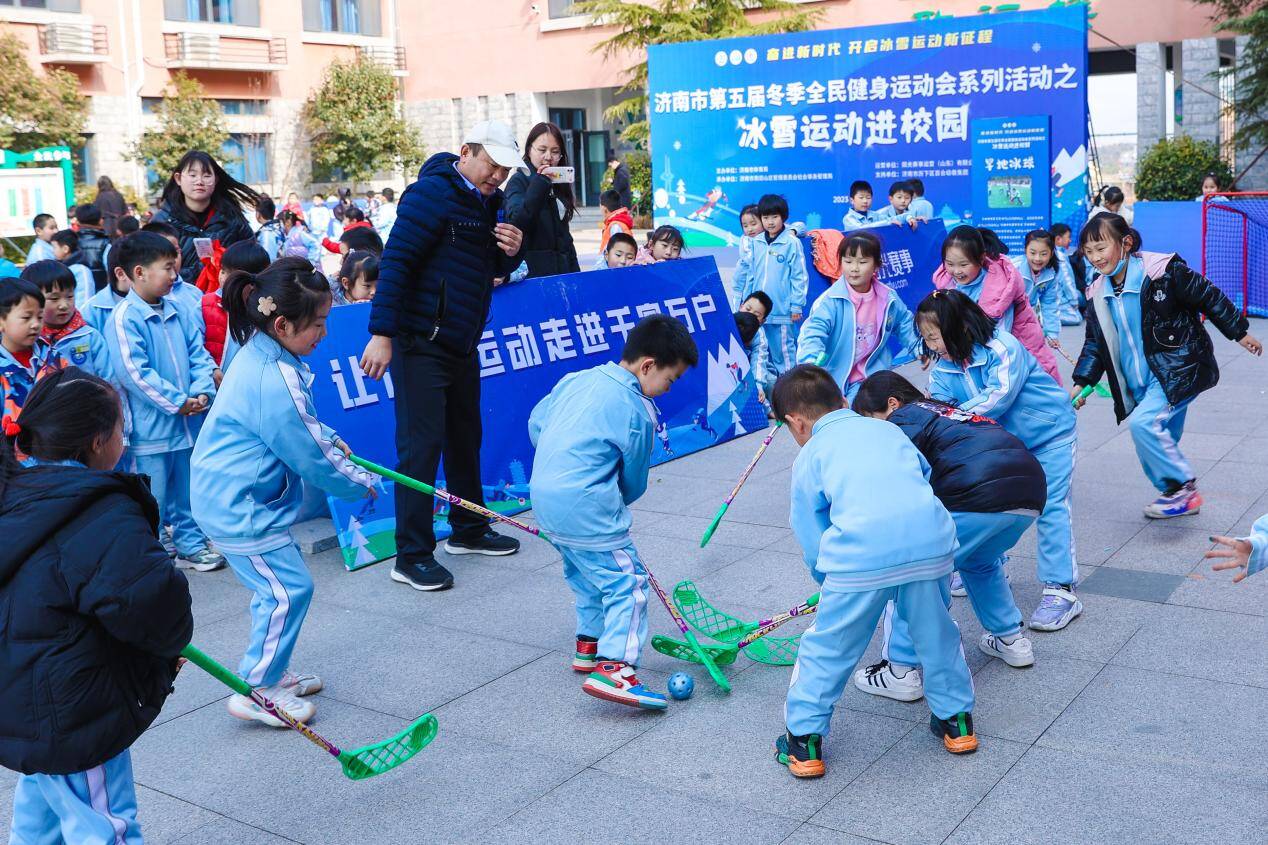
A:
[803,755]
[956,732]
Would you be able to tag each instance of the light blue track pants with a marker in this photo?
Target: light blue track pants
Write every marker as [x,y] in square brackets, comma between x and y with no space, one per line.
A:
[984,540]
[96,807]
[1156,426]
[781,347]
[283,590]
[611,591]
[843,626]
[1057,561]
[169,484]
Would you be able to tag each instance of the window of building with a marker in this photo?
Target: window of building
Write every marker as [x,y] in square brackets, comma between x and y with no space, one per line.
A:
[250,158]
[354,17]
[50,5]
[150,104]
[85,172]
[240,12]
[561,9]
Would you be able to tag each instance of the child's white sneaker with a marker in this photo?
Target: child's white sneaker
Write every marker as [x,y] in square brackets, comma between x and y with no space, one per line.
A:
[1017,653]
[300,683]
[205,559]
[243,707]
[957,586]
[1058,608]
[881,679]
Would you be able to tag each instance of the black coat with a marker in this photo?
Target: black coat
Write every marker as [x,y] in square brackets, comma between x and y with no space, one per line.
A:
[227,225]
[436,274]
[621,184]
[1177,348]
[113,206]
[92,247]
[977,466]
[531,205]
[93,614]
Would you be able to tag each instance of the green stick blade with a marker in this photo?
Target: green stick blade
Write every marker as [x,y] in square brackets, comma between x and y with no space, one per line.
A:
[713,526]
[1102,390]
[774,651]
[370,760]
[706,618]
[679,650]
[707,660]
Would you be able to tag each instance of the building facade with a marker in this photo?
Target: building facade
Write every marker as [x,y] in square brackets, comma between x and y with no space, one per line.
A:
[516,60]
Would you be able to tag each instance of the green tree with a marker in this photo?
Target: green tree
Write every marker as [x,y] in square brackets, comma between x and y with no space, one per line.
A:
[1248,18]
[354,125]
[672,21]
[1172,169]
[37,109]
[187,120]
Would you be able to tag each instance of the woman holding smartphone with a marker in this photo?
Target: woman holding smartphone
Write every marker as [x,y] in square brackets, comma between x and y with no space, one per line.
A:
[539,201]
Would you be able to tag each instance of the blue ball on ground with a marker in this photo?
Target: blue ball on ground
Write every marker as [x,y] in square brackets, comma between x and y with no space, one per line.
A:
[681,685]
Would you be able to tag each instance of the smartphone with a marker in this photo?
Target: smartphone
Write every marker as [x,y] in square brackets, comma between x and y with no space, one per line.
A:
[202,246]
[560,175]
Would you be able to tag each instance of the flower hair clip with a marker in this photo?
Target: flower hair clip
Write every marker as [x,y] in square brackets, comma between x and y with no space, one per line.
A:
[266,305]
[10,427]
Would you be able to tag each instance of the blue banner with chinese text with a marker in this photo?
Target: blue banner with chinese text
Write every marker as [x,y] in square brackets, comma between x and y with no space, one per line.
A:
[804,114]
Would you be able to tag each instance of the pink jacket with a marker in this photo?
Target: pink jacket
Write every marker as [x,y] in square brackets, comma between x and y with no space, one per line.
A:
[1003,288]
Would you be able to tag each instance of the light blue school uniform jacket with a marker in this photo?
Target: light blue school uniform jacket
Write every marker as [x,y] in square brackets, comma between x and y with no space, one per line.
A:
[100,308]
[778,268]
[160,360]
[40,251]
[889,214]
[593,435]
[260,445]
[858,219]
[863,510]
[830,329]
[1044,293]
[759,361]
[85,285]
[921,208]
[1258,545]
[86,348]
[1005,382]
[16,380]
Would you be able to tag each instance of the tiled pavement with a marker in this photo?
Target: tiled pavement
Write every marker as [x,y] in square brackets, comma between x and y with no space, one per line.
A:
[1141,723]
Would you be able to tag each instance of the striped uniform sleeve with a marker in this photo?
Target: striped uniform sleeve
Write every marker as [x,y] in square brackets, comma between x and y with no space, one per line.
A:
[291,431]
[1005,377]
[1258,545]
[135,369]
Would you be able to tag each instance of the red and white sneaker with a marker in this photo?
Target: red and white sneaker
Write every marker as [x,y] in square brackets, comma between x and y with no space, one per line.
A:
[613,680]
[586,657]
[1182,501]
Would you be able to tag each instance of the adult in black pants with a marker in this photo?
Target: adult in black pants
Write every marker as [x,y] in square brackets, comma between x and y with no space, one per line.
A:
[435,284]
[541,208]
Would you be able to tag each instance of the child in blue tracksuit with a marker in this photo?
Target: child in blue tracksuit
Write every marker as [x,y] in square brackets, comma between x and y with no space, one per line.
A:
[776,265]
[860,213]
[24,356]
[872,531]
[1069,312]
[159,358]
[101,305]
[856,320]
[1041,271]
[985,370]
[1248,555]
[898,212]
[67,334]
[593,434]
[759,305]
[260,446]
[994,489]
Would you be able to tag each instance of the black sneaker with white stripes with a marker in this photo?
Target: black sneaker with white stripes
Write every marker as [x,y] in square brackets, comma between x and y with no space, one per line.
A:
[488,543]
[882,679]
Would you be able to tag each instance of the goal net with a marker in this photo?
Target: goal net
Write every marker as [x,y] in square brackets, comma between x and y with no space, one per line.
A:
[1235,248]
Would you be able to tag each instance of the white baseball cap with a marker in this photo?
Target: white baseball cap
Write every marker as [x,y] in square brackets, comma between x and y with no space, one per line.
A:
[498,141]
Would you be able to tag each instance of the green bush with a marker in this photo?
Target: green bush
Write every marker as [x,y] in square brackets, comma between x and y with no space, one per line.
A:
[639,163]
[1172,169]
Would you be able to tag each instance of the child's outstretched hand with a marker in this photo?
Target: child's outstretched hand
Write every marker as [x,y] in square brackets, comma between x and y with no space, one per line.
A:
[1235,556]
[1251,344]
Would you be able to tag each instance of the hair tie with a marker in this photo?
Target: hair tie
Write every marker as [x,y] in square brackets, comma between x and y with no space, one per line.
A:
[936,292]
[11,427]
[266,305]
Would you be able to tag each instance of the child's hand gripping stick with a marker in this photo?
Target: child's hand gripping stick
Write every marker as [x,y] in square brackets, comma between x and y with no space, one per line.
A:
[1078,401]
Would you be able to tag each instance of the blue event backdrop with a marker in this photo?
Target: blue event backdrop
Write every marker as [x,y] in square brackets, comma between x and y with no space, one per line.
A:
[804,114]
[909,259]
[539,331]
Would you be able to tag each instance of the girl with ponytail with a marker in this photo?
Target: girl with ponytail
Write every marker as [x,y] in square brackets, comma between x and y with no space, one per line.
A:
[261,444]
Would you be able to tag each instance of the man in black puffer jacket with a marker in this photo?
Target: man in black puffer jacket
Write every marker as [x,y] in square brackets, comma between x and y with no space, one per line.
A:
[92,242]
[435,287]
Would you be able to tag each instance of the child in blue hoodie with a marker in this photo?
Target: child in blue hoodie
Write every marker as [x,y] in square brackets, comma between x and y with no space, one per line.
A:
[65,331]
[159,358]
[593,434]
[776,265]
[1041,271]
[261,445]
[872,531]
[857,320]
[24,356]
[101,305]
[1070,312]
[985,370]
[994,489]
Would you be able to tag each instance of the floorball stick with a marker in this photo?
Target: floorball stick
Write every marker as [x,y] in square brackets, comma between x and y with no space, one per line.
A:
[423,487]
[1083,394]
[359,763]
[1100,389]
[777,651]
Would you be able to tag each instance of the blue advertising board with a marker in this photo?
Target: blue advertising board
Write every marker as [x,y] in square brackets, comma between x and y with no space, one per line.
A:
[1010,176]
[540,330]
[805,114]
